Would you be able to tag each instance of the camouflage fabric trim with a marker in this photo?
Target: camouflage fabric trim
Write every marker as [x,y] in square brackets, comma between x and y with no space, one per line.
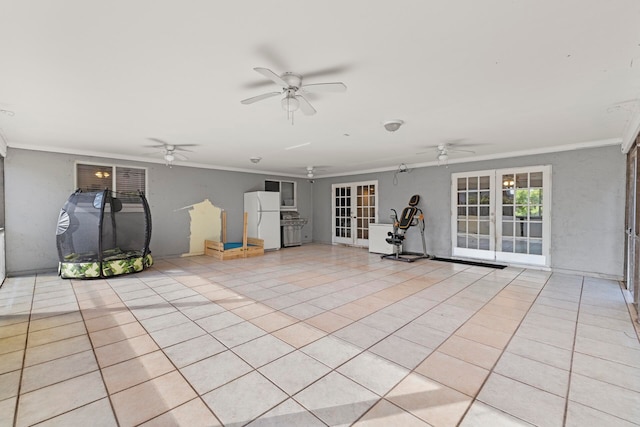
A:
[89,270]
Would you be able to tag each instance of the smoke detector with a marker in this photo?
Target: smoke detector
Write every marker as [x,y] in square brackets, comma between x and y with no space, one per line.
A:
[393,125]
[255,159]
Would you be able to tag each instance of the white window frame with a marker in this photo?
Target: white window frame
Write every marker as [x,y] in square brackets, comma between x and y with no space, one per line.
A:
[126,207]
[295,194]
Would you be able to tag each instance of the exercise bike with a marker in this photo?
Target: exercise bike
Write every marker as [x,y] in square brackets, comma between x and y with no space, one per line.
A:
[411,216]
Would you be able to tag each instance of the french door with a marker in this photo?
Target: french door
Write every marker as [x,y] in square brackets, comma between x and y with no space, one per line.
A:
[502,215]
[354,207]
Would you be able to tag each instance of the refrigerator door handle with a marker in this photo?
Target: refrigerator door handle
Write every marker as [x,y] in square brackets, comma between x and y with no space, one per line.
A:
[259,211]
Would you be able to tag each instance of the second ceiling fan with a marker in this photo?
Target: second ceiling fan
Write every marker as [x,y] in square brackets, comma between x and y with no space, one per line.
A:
[293,91]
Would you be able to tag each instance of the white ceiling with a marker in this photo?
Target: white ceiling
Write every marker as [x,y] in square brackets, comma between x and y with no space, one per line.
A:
[504,76]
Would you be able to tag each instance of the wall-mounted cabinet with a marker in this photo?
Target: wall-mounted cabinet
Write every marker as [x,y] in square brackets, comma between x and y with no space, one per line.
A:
[287,191]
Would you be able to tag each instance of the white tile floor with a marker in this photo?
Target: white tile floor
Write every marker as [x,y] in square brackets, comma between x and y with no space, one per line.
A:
[318,335]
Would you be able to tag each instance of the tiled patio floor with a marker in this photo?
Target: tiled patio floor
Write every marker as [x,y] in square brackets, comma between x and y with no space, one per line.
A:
[318,335]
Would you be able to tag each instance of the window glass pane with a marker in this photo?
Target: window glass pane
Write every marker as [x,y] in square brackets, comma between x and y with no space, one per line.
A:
[462,198]
[472,242]
[94,177]
[507,228]
[535,179]
[522,197]
[535,229]
[484,212]
[484,228]
[535,212]
[473,183]
[485,244]
[507,245]
[462,183]
[507,197]
[485,198]
[129,181]
[473,197]
[535,196]
[522,180]
[521,246]
[473,212]
[462,226]
[507,212]
[507,182]
[462,212]
[535,247]
[472,227]
[522,229]
[462,241]
[484,182]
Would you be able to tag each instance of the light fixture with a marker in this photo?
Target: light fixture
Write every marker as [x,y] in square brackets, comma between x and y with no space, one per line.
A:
[309,171]
[508,183]
[443,157]
[393,125]
[255,159]
[290,103]
[169,158]
[101,174]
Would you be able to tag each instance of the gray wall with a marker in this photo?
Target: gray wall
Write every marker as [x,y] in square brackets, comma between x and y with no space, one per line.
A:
[588,199]
[38,183]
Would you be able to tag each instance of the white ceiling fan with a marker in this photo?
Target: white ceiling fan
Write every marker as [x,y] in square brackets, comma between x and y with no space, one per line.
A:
[311,170]
[443,151]
[292,91]
[168,151]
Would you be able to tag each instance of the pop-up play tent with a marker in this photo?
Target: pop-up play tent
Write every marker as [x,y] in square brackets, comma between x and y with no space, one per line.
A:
[103,234]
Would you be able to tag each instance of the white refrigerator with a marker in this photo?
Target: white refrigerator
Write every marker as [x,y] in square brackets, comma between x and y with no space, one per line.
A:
[263,217]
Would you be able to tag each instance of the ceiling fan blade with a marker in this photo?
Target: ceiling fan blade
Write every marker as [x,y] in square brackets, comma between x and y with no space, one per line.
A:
[259,98]
[305,107]
[455,150]
[180,156]
[325,87]
[327,71]
[272,76]
[178,147]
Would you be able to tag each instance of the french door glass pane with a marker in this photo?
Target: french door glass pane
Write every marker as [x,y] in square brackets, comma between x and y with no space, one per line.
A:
[522,213]
[473,220]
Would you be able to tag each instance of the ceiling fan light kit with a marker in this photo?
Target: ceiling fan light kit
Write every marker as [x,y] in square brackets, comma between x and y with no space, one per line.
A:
[290,103]
[168,151]
[292,88]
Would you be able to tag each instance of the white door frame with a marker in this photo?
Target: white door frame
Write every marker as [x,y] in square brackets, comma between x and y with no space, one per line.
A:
[494,252]
[351,221]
